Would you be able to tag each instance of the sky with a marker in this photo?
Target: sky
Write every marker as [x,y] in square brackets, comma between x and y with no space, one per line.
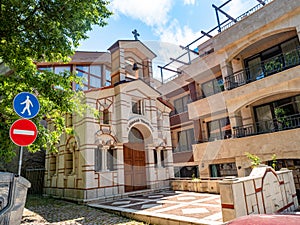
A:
[171,22]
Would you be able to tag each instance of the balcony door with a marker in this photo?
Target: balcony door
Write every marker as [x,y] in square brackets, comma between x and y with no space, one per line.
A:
[255,71]
[278,115]
[273,60]
[264,119]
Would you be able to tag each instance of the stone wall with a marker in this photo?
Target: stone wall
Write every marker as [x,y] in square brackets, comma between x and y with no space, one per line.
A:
[209,186]
[265,191]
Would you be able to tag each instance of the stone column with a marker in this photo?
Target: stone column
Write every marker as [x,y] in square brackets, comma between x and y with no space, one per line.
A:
[158,150]
[150,169]
[104,158]
[120,168]
[235,119]
[226,69]
[169,163]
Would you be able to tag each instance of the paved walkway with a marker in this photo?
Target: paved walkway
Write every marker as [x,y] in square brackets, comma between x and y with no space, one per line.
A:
[47,211]
[168,207]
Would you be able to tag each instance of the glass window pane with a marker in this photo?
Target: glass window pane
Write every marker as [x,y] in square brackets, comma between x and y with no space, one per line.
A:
[107,78]
[95,82]
[98,159]
[290,52]
[190,138]
[297,101]
[264,118]
[290,45]
[255,69]
[213,130]
[178,105]
[61,69]
[185,101]
[83,68]
[95,70]
[46,68]
[85,78]
[183,142]
[218,85]
[163,157]
[105,116]
[155,157]
[111,159]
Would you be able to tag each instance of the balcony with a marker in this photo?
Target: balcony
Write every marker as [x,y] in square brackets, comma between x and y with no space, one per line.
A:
[267,126]
[266,68]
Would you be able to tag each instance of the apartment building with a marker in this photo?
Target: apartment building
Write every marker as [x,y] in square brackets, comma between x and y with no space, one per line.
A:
[241,94]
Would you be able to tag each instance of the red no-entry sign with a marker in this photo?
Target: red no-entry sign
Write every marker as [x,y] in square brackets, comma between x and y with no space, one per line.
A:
[23,132]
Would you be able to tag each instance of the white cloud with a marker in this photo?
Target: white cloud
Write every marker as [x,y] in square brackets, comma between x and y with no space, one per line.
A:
[238,7]
[176,34]
[152,13]
[189,2]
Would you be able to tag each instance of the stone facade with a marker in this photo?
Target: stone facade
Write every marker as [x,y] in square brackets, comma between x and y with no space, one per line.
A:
[127,148]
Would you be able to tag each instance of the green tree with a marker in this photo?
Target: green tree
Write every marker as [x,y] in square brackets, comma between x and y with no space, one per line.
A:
[42,30]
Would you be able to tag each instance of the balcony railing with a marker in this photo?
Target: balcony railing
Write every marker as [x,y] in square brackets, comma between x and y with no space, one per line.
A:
[266,68]
[244,15]
[267,126]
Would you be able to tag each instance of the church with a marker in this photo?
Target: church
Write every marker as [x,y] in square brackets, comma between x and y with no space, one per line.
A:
[126,149]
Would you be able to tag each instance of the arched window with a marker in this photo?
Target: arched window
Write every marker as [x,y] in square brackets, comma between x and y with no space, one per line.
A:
[135,136]
[106,116]
[105,158]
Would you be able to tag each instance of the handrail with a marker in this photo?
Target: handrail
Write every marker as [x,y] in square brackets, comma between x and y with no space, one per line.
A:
[267,126]
[244,15]
[266,68]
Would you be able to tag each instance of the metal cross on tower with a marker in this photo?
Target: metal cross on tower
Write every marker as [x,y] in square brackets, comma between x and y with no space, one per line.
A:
[135,34]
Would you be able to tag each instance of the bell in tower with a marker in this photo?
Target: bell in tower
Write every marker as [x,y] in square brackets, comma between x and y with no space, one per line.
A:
[130,60]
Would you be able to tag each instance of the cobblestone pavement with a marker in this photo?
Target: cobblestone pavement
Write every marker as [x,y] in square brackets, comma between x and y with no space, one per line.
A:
[39,210]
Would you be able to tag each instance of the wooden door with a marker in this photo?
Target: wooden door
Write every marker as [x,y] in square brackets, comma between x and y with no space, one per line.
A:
[134,167]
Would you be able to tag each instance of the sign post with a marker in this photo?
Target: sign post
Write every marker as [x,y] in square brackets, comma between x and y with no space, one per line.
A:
[23,132]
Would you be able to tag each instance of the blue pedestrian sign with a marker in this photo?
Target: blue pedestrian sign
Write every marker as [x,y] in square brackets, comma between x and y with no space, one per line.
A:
[26,105]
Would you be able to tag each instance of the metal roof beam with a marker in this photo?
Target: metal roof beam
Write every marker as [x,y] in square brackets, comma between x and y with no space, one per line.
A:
[206,34]
[226,14]
[261,2]
[176,60]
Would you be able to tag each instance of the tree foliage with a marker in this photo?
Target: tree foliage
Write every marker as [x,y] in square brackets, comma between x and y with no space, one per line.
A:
[42,30]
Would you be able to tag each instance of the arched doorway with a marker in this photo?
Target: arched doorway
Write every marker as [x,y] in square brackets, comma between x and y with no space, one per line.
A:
[135,162]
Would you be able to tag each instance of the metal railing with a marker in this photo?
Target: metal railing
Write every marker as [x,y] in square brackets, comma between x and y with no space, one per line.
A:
[244,15]
[267,126]
[220,27]
[266,68]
